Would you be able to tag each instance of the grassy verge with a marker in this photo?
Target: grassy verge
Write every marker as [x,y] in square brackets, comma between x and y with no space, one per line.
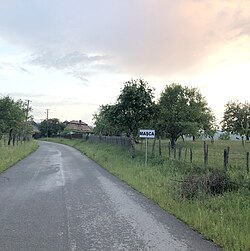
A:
[9,155]
[224,218]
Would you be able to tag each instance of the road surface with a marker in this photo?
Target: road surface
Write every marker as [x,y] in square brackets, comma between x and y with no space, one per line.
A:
[58,199]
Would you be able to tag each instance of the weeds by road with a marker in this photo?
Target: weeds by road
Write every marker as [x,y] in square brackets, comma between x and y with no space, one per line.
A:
[9,155]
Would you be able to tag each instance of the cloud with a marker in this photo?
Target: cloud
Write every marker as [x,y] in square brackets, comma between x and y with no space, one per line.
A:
[141,37]
[75,63]
[50,59]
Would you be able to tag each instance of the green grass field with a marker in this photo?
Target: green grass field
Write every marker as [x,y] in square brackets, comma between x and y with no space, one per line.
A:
[237,153]
[9,155]
[224,218]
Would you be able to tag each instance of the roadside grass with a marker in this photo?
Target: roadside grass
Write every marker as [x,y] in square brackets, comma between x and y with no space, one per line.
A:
[224,218]
[9,155]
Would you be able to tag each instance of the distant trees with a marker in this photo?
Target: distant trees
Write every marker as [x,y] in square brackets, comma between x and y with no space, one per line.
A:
[236,118]
[13,117]
[51,127]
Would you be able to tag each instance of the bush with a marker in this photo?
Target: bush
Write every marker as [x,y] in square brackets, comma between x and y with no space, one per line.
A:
[225,136]
[218,182]
[213,183]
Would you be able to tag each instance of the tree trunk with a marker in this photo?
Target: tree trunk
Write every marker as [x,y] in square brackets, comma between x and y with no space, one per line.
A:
[132,146]
[10,136]
[172,141]
[13,140]
[153,148]
[160,152]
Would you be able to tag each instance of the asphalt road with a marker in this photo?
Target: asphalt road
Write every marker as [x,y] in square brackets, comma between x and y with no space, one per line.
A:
[58,199]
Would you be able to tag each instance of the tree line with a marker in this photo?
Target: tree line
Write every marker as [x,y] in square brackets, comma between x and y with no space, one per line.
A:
[180,111]
[13,119]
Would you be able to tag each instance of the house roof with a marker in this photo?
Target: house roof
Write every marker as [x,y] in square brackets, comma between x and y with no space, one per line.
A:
[34,125]
[77,122]
[78,125]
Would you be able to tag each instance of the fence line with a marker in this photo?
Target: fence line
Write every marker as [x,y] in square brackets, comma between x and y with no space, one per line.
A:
[179,152]
[114,140]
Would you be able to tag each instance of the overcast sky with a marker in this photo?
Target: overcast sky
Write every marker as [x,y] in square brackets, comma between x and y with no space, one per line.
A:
[71,56]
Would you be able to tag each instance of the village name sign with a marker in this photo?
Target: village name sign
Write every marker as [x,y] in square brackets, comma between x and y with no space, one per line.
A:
[148,134]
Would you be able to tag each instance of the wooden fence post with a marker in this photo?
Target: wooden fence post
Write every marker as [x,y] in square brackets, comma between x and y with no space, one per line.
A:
[179,152]
[225,159]
[191,155]
[205,153]
[169,149]
[185,153]
[247,163]
[160,152]
[174,151]
[153,149]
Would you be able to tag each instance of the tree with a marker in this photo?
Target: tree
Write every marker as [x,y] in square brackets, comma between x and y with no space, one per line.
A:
[12,117]
[51,127]
[236,118]
[133,109]
[182,111]
[104,121]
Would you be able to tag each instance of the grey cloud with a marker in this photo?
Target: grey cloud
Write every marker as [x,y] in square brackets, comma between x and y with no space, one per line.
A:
[80,65]
[68,60]
[13,67]
[24,70]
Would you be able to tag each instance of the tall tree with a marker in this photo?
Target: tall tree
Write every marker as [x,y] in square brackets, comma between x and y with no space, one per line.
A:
[12,117]
[183,110]
[236,118]
[134,107]
[105,121]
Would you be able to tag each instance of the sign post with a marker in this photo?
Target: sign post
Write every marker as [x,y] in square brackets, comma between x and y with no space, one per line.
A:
[147,134]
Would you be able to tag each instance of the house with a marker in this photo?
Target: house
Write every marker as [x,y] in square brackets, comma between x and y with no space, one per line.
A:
[35,128]
[77,126]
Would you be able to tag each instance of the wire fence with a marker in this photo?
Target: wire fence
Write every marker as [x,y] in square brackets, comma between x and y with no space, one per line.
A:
[212,155]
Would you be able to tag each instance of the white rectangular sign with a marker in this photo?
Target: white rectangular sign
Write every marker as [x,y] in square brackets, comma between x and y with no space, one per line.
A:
[148,134]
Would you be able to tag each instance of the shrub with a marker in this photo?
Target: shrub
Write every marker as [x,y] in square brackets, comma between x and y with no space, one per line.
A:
[213,183]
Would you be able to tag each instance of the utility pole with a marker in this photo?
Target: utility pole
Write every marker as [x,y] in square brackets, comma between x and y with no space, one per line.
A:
[26,119]
[47,122]
[27,112]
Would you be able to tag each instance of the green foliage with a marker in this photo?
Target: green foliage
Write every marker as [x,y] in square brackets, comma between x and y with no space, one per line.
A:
[105,121]
[225,136]
[236,118]
[13,116]
[51,127]
[133,108]
[183,111]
